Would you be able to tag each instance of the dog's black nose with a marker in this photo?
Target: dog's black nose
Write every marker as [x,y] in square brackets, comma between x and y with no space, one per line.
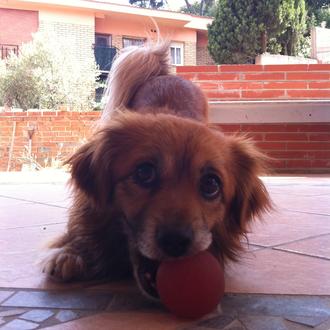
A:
[175,242]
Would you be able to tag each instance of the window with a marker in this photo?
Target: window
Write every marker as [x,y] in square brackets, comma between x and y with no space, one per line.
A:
[103,40]
[132,42]
[176,53]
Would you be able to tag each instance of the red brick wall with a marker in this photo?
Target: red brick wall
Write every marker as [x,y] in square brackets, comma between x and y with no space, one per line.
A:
[261,82]
[299,148]
[17,26]
[57,134]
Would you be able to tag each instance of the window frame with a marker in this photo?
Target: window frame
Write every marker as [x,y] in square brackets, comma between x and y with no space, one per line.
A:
[139,39]
[177,45]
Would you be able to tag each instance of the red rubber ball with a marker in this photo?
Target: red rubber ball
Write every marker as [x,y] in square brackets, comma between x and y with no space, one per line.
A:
[191,287]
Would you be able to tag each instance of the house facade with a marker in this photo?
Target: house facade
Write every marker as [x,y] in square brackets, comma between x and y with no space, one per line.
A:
[103,27]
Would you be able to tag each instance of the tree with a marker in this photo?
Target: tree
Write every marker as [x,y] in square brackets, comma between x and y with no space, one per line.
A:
[318,11]
[153,4]
[202,8]
[292,39]
[242,29]
[46,74]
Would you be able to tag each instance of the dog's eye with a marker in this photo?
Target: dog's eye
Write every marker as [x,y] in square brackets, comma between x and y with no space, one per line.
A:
[210,186]
[145,175]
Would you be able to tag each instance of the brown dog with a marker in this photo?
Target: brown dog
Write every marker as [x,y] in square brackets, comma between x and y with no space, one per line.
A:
[155,181]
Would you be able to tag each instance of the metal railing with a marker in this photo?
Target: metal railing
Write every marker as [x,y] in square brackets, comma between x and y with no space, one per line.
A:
[6,49]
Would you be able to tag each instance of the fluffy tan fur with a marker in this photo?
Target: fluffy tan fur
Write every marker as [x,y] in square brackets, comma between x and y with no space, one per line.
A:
[156,181]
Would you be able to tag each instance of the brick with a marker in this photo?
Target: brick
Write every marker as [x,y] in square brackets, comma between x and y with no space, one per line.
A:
[201,68]
[264,76]
[321,163]
[298,163]
[223,95]
[263,94]
[241,85]
[302,154]
[285,67]
[229,128]
[309,94]
[308,76]
[319,137]
[188,76]
[308,145]
[285,154]
[271,145]
[286,137]
[322,154]
[240,68]
[319,84]
[207,85]
[217,76]
[278,163]
[314,127]
[319,67]
[264,127]
[285,85]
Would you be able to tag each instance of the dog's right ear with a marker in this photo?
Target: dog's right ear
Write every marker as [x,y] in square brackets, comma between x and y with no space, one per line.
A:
[83,176]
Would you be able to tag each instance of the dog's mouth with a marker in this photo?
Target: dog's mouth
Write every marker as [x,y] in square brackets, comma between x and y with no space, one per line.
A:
[146,273]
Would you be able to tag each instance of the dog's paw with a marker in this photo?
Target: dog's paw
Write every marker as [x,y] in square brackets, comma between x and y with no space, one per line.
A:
[63,265]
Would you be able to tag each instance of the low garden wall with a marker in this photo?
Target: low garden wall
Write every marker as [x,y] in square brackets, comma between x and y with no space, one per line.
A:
[55,135]
[297,147]
[300,141]
[261,82]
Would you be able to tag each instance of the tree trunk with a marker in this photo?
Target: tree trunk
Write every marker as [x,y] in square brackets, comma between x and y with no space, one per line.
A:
[264,42]
[201,11]
[188,6]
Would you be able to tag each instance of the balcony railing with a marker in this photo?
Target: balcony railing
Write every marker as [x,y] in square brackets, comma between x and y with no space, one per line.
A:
[104,57]
[5,50]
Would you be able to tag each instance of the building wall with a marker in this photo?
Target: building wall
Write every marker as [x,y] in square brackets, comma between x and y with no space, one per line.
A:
[145,28]
[17,26]
[190,53]
[77,29]
[202,55]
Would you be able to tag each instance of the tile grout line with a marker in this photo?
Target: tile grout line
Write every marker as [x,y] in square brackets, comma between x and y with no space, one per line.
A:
[289,242]
[301,254]
[34,202]
[303,212]
[300,240]
[34,226]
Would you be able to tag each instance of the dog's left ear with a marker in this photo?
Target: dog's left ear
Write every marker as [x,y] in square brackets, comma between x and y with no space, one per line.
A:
[251,198]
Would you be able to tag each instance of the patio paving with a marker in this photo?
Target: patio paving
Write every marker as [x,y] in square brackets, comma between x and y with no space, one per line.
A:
[282,281]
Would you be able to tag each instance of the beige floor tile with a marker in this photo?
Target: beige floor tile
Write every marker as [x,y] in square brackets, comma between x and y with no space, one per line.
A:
[275,272]
[307,204]
[127,321]
[20,251]
[318,247]
[280,227]
[30,214]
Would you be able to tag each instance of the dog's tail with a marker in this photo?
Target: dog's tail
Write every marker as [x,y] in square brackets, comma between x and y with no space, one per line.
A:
[133,67]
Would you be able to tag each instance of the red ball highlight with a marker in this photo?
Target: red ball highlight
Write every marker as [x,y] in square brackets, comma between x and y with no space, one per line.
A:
[191,287]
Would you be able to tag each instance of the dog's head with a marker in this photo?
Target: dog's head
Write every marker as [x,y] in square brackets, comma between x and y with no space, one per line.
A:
[180,187]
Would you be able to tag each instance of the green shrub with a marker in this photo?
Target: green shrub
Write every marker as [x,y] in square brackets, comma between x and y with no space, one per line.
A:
[46,74]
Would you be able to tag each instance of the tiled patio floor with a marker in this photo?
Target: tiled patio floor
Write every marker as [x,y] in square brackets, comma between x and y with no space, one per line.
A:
[282,282]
